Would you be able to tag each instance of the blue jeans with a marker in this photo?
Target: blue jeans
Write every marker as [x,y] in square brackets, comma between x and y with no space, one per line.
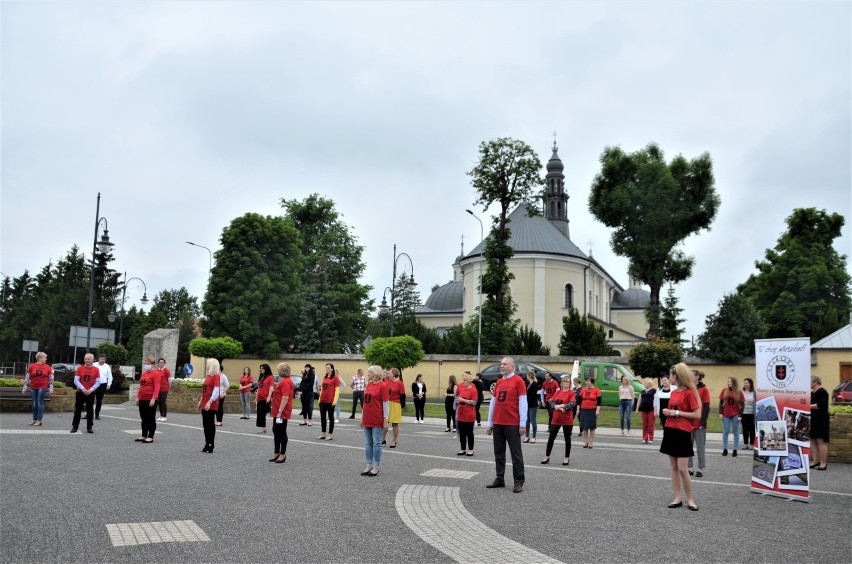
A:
[38,403]
[531,420]
[730,425]
[625,411]
[373,446]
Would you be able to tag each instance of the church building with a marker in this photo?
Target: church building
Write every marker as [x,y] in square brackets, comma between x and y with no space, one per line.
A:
[552,275]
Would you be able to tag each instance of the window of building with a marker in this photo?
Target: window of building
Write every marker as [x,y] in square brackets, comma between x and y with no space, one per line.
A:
[611,333]
[568,298]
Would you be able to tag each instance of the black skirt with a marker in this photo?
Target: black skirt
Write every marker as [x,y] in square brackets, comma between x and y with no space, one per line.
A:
[676,443]
[588,419]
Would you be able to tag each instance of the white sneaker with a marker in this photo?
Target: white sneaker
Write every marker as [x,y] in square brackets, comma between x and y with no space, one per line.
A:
[532,440]
[337,420]
[163,419]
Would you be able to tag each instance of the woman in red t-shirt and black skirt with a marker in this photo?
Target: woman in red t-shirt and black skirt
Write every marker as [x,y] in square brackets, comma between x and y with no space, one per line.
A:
[683,409]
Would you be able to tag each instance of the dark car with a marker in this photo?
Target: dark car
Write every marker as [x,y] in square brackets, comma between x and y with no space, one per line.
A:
[64,372]
[842,394]
[492,373]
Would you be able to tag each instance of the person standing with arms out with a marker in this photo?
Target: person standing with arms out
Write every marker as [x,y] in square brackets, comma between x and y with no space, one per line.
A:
[749,398]
[165,386]
[396,394]
[146,399]
[359,382]
[731,402]
[87,378]
[418,393]
[699,433]
[265,381]
[550,386]
[449,403]
[39,382]
[564,402]
[307,387]
[645,406]
[209,403]
[532,407]
[246,383]
[225,384]
[374,419]
[626,395]
[282,409]
[466,414]
[329,394]
[507,414]
[480,396]
[590,408]
[661,398]
[683,409]
[106,384]
[819,424]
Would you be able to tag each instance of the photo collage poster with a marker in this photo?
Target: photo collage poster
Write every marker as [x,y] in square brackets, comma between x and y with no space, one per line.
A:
[782,418]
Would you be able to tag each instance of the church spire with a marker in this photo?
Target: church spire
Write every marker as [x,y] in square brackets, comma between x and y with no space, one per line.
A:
[555,198]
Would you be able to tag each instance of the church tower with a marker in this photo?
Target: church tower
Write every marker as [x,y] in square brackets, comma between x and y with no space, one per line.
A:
[555,198]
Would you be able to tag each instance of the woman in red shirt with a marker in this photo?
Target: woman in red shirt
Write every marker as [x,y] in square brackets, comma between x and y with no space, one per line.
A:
[563,403]
[165,386]
[39,382]
[329,394]
[683,409]
[282,408]
[146,399]
[265,381]
[731,401]
[209,404]
[246,382]
[374,419]
[396,389]
[590,408]
[466,413]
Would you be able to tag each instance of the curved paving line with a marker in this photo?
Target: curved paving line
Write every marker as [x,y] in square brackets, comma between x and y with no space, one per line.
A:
[436,514]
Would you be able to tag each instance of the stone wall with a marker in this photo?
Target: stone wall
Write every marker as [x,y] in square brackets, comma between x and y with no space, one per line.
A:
[840,445]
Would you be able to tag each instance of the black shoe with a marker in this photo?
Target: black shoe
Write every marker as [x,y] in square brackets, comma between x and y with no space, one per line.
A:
[74,429]
[205,449]
[351,417]
[734,454]
[699,474]
[518,488]
[273,459]
[691,472]
[497,483]
[725,452]
[89,430]
[98,417]
[210,449]
[675,505]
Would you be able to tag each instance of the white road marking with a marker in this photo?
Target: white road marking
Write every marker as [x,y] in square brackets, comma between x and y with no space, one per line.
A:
[436,515]
[137,431]
[35,432]
[132,534]
[444,473]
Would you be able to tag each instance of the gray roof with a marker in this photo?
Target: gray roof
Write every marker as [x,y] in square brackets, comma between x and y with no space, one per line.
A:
[535,235]
[449,298]
[840,339]
[632,298]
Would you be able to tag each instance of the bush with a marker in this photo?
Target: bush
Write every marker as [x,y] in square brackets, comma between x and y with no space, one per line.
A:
[119,382]
[833,409]
[115,354]
[654,358]
[11,383]
[216,347]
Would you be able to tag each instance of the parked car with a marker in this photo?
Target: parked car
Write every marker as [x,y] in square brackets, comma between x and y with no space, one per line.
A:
[842,394]
[64,372]
[492,373]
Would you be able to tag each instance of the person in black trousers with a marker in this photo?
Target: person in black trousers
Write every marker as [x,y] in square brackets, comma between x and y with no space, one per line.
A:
[480,396]
[450,403]
[418,392]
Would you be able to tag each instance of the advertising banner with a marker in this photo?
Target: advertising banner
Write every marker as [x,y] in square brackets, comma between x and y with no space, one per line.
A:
[782,418]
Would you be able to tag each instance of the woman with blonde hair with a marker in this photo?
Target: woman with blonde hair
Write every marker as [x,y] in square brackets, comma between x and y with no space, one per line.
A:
[396,390]
[466,415]
[39,382]
[374,419]
[731,401]
[645,406]
[210,403]
[683,409]
[281,409]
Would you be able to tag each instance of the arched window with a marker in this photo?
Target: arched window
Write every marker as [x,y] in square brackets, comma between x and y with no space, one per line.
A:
[568,298]
[611,333]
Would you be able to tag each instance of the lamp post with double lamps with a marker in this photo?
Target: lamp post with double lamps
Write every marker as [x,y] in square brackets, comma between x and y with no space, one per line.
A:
[104,245]
[144,301]
[479,286]
[411,284]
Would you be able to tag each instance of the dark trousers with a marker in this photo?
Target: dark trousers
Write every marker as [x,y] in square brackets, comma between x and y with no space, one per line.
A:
[748,429]
[99,399]
[80,401]
[220,413]
[466,435]
[478,415]
[279,434]
[451,413]
[148,415]
[327,410]
[508,434]
[420,408]
[208,420]
[566,433]
[162,401]
[308,405]
[549,414]
[356,397]
[262,410]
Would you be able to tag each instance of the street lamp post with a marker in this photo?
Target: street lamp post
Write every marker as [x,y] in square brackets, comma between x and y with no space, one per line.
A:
[209,252]
[383,308]
[103,245]
[481,258]
[144,301]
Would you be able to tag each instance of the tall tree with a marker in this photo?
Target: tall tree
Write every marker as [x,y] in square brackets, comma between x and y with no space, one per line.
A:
[508,173]
[255,292]
[582,337]
[317,331]
[802,288]
[729,333]
[653,206]
[325,237]
[175,304]
[671,328]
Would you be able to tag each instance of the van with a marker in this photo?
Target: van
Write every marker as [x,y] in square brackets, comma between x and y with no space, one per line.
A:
[607,377]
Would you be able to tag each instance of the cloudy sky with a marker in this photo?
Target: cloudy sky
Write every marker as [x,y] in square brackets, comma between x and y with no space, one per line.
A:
[185,115]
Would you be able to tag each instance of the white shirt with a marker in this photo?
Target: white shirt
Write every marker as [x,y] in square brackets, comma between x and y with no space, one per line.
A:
[223,384]
[106,373]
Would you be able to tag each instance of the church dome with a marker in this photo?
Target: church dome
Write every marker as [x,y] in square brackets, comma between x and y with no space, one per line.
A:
[632,298]
[447,298]
[555,163]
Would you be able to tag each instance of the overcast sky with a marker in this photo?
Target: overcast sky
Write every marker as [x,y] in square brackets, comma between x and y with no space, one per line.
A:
[185,115]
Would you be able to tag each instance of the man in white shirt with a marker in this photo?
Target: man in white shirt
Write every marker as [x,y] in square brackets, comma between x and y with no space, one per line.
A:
[106,384]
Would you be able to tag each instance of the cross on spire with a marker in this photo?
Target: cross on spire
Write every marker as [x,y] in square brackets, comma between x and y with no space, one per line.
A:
[591,244]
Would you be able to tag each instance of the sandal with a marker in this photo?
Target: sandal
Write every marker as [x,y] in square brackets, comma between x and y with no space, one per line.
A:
[461,453]
[566,462]
[470,453]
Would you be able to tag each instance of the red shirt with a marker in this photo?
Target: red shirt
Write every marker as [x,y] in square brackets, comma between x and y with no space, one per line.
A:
[164,382]
[395,389]
[39,375]
[329,385]
[704,396]
[246,380]
[589,397]
[730,402]
[685,401]
[283,389]
[87,375]
[467,413]
[375,394]
[563,397]
[550,387]
[149,385]
[264,387]
[210,382]
[506,392]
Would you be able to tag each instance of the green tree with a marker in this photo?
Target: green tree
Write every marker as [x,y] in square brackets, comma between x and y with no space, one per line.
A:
[395,352]
[654,358]
[326,238]
[729,334]
[115,354]
[175,304]
[255,291]
[671,328]
[582,336]
[802,288]
[19,311]
[508,173]
[652,207]
[141,324]
[317,331]
[219,348]
[528,342]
